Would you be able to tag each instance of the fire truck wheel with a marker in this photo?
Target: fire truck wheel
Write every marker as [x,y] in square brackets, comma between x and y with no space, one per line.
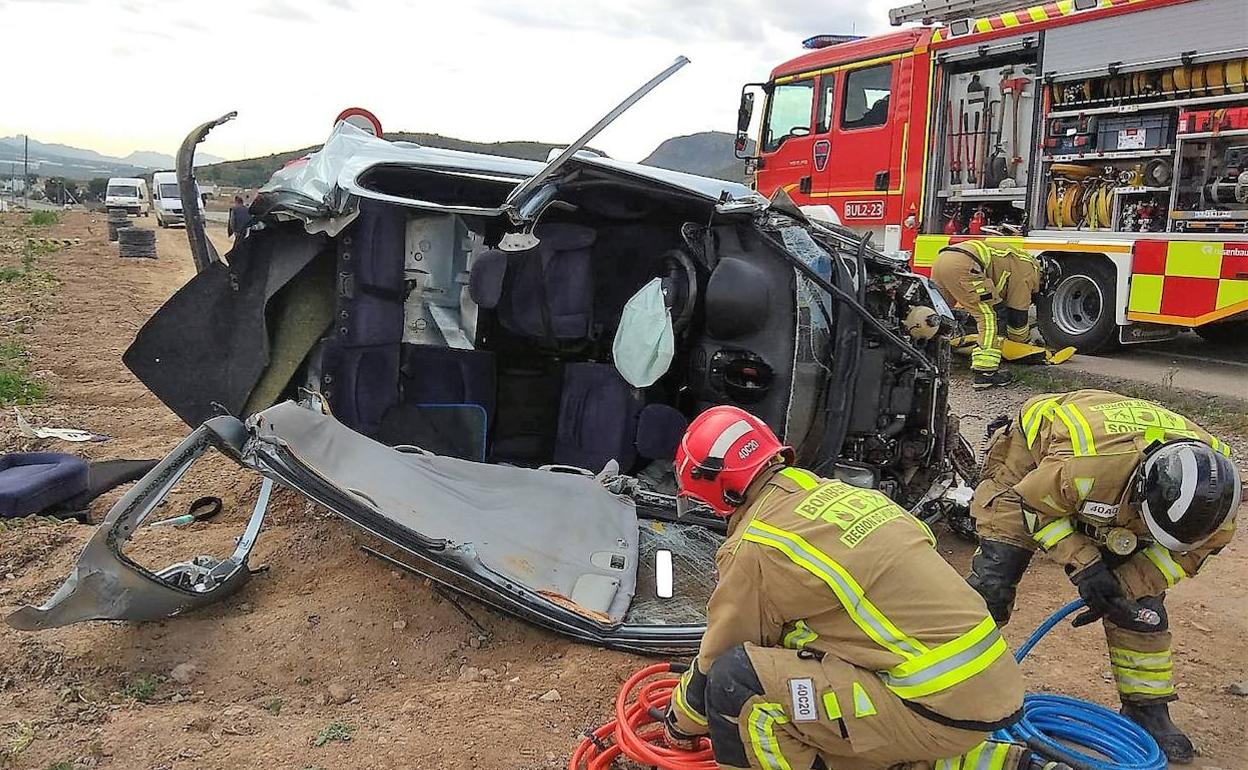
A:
[1079,311]
[1225,334]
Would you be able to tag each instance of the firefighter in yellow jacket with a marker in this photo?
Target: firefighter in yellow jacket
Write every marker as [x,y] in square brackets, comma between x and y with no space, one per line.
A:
[836,630]
[1130,498]
[979,277]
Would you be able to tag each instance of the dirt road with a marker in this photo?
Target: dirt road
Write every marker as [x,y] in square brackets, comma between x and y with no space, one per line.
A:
[329,644]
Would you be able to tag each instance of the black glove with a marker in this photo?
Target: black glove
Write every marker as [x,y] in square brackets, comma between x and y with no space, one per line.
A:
[675,738]
[1100,590]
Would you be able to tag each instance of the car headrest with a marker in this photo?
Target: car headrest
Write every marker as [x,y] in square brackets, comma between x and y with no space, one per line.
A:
[485,280]
[659,430]
[561,236]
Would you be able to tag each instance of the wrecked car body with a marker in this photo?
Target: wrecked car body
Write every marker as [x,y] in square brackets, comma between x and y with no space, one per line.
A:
[427,343]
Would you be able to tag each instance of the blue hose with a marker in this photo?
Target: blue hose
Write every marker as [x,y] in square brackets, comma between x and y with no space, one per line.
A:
[1054,725]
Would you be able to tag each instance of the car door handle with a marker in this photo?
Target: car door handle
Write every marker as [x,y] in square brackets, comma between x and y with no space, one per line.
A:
[881,181]
[804,185]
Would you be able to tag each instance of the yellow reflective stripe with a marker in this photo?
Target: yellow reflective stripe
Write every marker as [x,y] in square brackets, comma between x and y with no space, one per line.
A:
[1033,418]
[1162,559]
[1084,485]
[948,665]
[1219,446]
[1054,532]
[831,706]
[851,595]
[800,477]
[680,698]
[989,339]
[1136,682]
[989,755]
[800,636]
[1141,661]
[863,707]
[763,720]
[1082,442]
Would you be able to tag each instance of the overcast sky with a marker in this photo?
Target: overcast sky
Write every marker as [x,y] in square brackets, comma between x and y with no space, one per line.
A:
[123,75]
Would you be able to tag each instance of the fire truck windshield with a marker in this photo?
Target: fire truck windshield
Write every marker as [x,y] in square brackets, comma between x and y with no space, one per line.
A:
[788,113]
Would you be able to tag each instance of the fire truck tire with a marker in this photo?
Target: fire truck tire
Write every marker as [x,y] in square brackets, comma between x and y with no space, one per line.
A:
[1079,311]
[1224,334]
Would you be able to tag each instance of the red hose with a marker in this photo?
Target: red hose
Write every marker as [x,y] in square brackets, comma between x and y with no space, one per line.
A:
[636,734]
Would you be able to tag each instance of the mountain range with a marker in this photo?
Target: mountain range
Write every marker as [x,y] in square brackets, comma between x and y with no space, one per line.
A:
[48,160]
[709,153]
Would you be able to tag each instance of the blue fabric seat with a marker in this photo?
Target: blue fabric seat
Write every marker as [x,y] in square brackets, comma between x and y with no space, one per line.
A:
[33,482]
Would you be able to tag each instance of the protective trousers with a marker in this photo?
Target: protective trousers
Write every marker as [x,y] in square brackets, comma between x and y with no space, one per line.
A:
[961,280]
[772,708]
[1140,659]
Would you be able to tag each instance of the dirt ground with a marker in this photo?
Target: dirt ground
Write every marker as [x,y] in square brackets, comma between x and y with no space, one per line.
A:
[330,643]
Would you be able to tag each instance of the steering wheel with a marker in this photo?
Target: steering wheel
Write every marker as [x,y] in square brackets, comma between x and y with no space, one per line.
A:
[680,286]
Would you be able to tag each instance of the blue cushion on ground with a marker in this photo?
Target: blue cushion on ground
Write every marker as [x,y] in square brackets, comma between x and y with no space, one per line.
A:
[35,481]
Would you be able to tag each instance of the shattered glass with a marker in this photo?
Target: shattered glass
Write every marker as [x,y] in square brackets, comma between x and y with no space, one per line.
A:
[693,566]
[814,306]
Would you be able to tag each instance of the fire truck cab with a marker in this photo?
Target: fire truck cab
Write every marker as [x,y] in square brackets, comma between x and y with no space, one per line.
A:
[1111,135]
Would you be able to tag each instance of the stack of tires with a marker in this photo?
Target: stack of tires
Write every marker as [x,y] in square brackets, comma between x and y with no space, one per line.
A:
[117,219]
[137,242]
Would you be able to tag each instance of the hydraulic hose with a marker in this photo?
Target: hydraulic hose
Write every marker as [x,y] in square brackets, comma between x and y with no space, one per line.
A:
[1054,726]
[1058,726]
[637,730]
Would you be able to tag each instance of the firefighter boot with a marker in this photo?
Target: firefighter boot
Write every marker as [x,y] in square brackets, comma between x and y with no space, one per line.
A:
[991,378]
[1154,717]
[996,569]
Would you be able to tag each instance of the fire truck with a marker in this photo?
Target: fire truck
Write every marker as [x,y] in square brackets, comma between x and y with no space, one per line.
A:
[1111,135]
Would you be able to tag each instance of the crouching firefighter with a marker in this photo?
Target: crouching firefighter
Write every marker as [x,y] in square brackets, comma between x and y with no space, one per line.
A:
[1130,498]
[837,636]
[981,278]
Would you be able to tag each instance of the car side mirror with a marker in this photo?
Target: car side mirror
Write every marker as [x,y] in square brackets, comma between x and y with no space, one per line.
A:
[745,115]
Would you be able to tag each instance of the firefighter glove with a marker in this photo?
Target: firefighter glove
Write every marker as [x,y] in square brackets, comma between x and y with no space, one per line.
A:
[1100,590]
[675,738]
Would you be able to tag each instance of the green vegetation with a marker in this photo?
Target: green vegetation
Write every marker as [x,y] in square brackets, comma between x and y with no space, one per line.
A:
[16,384]
[15,738]
[43,218]
[273,706]
[334,731]
[142,687]
[1213,412]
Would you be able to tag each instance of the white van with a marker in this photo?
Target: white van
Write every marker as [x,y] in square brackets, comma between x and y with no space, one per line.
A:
[127,193]
[166,199]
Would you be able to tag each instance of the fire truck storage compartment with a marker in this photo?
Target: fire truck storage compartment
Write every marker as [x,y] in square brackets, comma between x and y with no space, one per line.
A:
[1211,183]
[1168,35]
[986,132]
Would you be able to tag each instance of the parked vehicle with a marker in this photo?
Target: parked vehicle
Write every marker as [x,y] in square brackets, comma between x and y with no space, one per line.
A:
[128,193]
[166,200]
[486,363]
[1111,136]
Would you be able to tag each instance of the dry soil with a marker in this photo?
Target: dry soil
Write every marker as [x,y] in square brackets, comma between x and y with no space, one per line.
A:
[329,643]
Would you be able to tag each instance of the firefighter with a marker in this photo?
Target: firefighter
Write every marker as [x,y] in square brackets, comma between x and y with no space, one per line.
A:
[836,630]
[1129,498]
[980,277]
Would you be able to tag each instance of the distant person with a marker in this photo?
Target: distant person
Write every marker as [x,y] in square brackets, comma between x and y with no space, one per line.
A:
[236,225]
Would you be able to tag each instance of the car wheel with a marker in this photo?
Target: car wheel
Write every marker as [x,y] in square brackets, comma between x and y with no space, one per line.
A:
[1079,311]
[1224,334]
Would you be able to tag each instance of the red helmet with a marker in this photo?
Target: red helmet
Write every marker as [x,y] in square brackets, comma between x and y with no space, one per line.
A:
[723,451]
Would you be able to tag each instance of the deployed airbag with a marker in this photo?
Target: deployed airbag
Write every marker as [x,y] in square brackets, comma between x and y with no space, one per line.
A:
[644,342]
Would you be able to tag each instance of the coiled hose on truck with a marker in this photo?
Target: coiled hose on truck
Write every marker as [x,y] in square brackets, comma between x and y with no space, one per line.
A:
[1056,726]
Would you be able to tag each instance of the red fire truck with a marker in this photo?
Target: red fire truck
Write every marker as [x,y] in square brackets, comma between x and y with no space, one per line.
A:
[1109,134]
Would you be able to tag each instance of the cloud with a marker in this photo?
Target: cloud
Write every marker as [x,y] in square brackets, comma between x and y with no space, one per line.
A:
[282,10]
[742,21]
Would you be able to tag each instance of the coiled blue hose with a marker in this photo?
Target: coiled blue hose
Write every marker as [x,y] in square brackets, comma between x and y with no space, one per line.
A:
[1054,725]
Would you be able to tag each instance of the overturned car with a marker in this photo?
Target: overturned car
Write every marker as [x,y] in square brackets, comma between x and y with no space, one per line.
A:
[486,364]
